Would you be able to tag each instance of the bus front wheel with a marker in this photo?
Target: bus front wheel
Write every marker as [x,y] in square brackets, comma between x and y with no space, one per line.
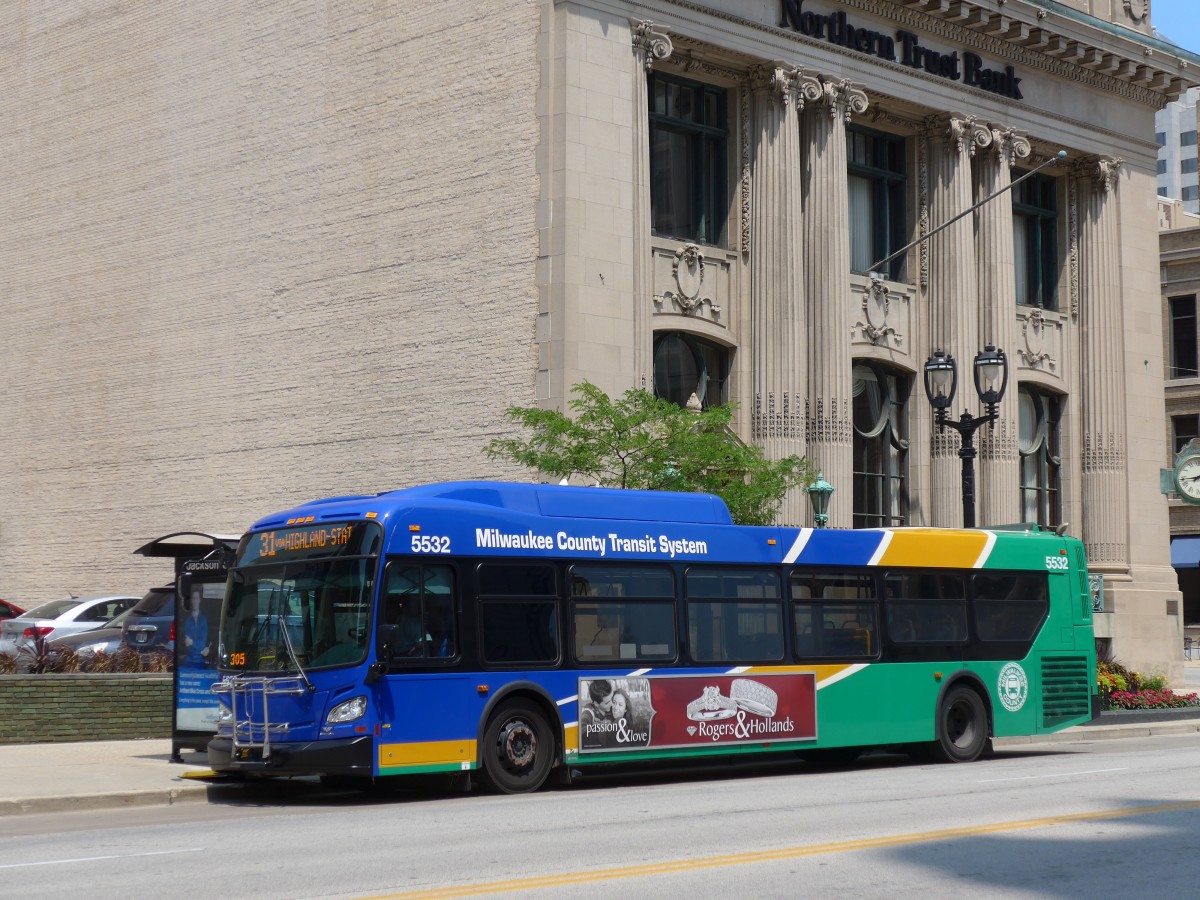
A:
[962,731]
[518,749]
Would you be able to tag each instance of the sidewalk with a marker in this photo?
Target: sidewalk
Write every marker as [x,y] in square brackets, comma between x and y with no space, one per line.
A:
[89,775]
[47,778]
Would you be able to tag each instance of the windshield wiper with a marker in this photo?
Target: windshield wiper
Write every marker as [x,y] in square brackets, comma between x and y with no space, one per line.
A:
[287,642]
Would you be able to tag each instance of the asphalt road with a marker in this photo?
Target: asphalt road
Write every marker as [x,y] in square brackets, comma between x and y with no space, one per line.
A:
[1103,819]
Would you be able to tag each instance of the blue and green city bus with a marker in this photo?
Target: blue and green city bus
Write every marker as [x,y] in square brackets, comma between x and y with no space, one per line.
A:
[512,629]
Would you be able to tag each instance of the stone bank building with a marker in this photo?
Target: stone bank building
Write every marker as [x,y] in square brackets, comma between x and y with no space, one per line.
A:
[261,252]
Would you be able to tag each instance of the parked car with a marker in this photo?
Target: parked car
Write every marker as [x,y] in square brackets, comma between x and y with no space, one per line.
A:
[151,623]
[61,617]
[9,610]
[106,639]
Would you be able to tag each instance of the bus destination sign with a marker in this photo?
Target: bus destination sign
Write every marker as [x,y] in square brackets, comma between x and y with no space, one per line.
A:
[306,542]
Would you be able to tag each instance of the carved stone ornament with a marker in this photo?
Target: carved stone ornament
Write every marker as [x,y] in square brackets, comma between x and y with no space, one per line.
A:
[650,43]
[1105,173]
[1008,145]
[876,304]
[1033,331]
[1137,9]
[960,132]
[843,99]
[688,271]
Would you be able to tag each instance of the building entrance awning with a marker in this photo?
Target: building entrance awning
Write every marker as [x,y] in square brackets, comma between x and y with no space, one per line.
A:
[1185,552]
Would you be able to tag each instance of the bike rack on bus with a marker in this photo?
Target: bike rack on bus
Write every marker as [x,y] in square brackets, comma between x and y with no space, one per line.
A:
[245,686]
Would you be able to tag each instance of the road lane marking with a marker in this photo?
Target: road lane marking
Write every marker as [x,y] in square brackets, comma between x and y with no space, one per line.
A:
[760,856]
[80,859]
[1058,775]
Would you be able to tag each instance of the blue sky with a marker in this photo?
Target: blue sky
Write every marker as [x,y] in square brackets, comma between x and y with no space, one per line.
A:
[1178,21]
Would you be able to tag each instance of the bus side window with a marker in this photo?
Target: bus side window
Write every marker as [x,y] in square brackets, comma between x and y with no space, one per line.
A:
[834,615]
[734,614]
[418,604]
[518,613]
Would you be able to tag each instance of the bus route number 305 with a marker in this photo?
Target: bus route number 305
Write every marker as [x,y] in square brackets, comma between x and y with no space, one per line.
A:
[430,543]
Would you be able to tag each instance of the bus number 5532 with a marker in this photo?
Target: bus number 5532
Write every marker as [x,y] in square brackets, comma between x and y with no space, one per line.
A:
[430,543]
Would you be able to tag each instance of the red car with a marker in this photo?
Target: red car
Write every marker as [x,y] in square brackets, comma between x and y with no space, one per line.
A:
[9,610]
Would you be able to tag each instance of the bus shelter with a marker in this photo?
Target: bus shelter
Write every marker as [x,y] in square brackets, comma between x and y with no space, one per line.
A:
[201,565]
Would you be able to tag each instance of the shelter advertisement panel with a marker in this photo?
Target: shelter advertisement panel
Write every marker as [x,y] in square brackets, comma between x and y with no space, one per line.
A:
[196,706]
[695,711]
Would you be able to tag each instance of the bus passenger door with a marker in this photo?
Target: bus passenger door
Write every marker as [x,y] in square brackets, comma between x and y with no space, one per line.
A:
[427,722]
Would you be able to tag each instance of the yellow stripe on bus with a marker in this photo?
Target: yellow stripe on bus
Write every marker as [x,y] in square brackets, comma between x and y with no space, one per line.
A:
[953,550]
[426,753]
[822,673]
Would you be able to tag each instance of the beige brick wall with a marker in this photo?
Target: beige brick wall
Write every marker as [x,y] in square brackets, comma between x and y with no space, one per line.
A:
[252,253]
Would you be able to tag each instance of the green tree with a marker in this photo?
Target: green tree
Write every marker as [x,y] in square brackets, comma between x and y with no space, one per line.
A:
[641,441]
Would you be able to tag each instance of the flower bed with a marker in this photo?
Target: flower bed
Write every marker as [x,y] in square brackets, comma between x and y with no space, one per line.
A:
[1164,699]
[1122,688]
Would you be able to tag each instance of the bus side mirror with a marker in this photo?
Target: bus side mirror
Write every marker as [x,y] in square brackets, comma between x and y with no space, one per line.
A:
[387,639]
[388,635]
[183,588]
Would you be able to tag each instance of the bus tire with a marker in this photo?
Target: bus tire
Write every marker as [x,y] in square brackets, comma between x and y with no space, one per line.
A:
[518,749]
[962,726]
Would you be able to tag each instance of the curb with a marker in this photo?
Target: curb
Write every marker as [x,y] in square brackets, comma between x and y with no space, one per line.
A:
[1083,733]
[112,800]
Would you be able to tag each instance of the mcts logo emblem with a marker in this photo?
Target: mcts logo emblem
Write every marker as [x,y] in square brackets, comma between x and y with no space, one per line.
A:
[1013,687]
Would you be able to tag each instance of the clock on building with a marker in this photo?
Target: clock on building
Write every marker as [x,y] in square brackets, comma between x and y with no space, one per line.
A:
[1187,472]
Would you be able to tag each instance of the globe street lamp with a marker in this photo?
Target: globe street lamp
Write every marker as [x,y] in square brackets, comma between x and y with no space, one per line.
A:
[991,380]
[818,495]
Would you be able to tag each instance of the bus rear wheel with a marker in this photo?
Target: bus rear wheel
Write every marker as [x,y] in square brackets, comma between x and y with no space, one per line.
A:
[518,749]
[962,731]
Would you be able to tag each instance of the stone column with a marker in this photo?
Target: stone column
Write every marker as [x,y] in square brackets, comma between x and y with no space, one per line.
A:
[649,44]
[776,269]
[1105,479]
[827,278]
[953,295]
[999,484]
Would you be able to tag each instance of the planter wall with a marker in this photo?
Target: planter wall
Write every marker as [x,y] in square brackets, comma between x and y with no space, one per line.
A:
[52,708]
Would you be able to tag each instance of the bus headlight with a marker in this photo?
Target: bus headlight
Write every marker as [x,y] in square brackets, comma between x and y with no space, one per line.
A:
[350,711]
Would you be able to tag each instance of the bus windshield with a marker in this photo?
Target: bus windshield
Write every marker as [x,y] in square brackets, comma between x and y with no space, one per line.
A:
[324,604]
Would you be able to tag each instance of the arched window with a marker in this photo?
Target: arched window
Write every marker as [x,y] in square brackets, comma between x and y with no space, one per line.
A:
[1041,497]
[880,447]
[685,364]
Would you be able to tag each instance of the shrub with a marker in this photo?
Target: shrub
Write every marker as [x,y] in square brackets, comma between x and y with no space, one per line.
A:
[1110,680]
[45,660]
[1154,682]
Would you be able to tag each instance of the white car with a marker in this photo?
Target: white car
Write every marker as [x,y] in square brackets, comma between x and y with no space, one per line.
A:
[61,617]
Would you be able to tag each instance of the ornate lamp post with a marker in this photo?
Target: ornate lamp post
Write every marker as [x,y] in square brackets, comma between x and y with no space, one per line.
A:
[819,493]
[991,380]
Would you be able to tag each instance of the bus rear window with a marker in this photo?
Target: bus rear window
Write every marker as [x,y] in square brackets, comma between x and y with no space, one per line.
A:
[1009,606]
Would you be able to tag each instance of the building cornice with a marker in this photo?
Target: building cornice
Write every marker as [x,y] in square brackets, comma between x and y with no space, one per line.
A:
[1054,40]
